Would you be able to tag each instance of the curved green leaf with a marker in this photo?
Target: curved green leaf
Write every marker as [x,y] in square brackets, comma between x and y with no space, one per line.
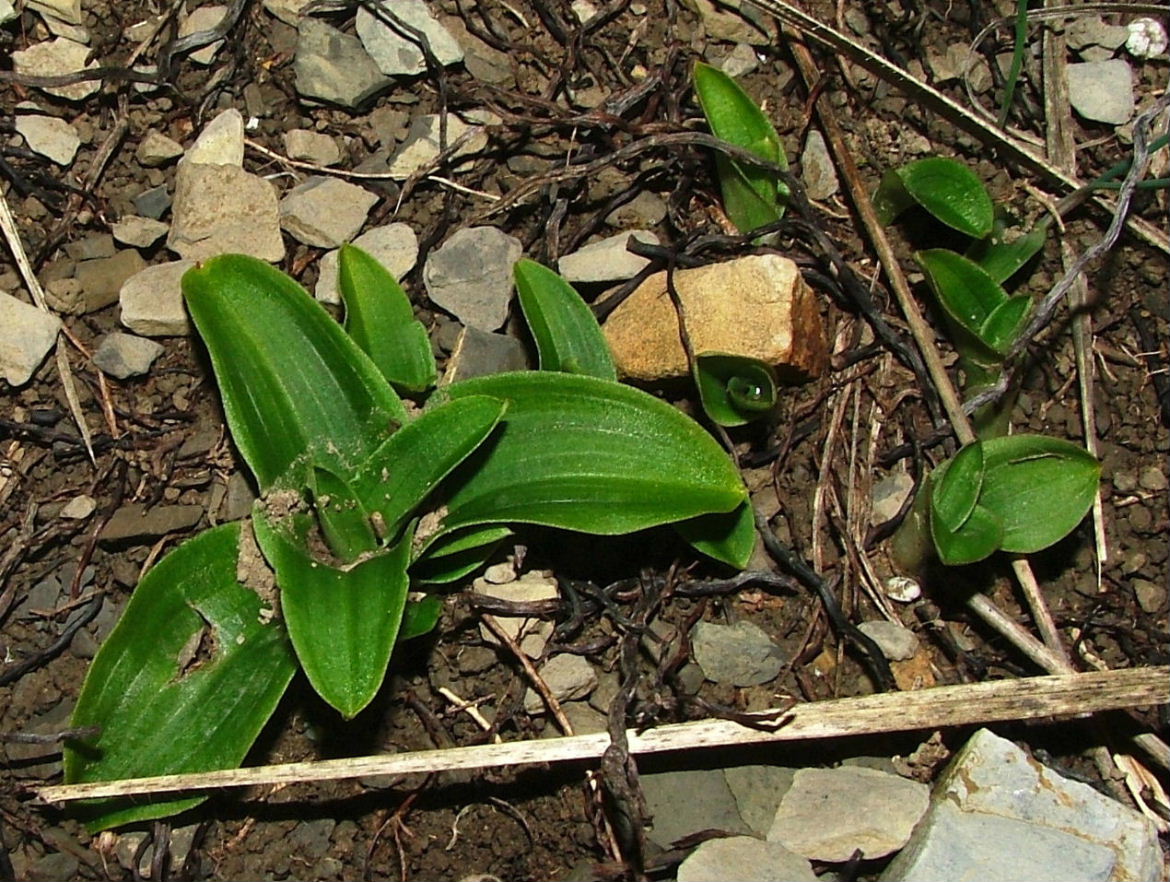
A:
[567,335]
[752,197]
[420,617]
[728,537]
[734,389]
[891,198]
[967,294]
[585,454]
[184,683]
[1005,323]
[980,536]
[452,556]
[1002,259]
[955,488]
[343,622]
[951,192]
[399,475]
[294,385]
[379,318]
[1040,487]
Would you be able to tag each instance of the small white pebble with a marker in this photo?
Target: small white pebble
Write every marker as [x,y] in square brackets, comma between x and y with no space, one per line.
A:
[903,589]
[1147,38]
[78,508]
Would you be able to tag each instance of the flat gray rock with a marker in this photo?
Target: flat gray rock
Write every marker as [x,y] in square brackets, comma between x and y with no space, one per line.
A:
[204,18]
[395,246]
[830,813]
[421,145]
[222,208]
[992,776]
[758,791]
[744,859]
[481,353]
[1102,90]
[325,212]
[125,355]
[221,142]
[157,149]
[397,55]
[315,147]
[741,654]
[154,202]
[141,232]
[152,300]
[686,802]
[27,334]
[49,136]
[817,172]
[53,58]
[470,276]
[896,642]
[568,677]
[102,279]
[333,67]
[606,260]
[136,522]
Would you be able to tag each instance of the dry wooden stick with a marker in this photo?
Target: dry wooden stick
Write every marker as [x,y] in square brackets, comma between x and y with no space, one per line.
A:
[966,705]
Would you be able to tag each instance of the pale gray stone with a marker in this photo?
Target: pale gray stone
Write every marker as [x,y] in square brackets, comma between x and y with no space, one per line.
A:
[27,334]
[397,55]
[1151,596]
[532,634]
[644,210]
[325,212]
[1102,91]
[606,260]
[315,147]
[59,28]
[421,145]
[102,279]
[889,495]
[222,208]
[204,18]
[141,232]
[568,677]
[686,802]
[583,720]
[49,136]
[221,142]
[157,149]
[817,172]
[78,508]
[733,21]
[125,355]
[830,813]
[7,11]
[745,859]
[740,655]
[152,301]
[333,67]
[896,642]
[395,246]
[288,11]
[134,522]
[740,61]
[68,11]
[481,353]
[470,276]
[53,58]
[758,791]
[153,203]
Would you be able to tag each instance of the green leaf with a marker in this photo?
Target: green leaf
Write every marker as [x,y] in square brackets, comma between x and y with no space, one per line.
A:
[184,683]
[727,537]
[951,193]
[980,536]
[752,197]
[294,385]
[967,294]
[586,454]
[420,617]
[452,556]
[345,522]
[343,622]
[567,335]
[956,486]
[1002,259]
[379,318]
[1040,487]
[1005,323]
[401,473]
[734,389]
[891,198]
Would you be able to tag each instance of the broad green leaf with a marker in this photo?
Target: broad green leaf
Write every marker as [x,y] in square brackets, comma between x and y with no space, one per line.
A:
[956,486]
[379,318]
[452,556]
[734,389]
[728,537]
[980,536]
[343,622]
[185,681]
[567,335]
[1040,487]
[345,522]
[951,193]
[1002,259]
[891,198]
[752,197]
[401,473]
[294,385]
[1005,323]
[966,293]
[585,454]
[420,617]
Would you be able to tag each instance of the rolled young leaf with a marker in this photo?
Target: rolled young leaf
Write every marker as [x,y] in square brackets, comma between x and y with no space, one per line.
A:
[345,522]
[379,318]
[185,681]
[295,387]
[343,622]
[589,455]
[734,389]
[567,335]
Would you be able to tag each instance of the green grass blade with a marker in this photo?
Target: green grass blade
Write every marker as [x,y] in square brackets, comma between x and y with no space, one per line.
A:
[567,335]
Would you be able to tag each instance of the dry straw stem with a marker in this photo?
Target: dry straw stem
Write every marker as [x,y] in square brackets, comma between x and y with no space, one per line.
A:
[966,705]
